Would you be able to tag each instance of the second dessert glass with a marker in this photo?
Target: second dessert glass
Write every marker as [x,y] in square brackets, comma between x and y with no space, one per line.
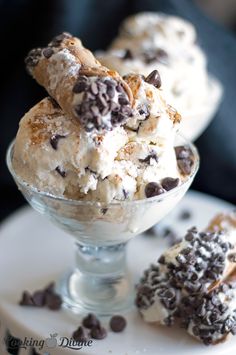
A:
[101,283]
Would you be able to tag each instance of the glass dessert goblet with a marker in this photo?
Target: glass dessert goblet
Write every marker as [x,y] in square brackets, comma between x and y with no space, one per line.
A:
[101,283]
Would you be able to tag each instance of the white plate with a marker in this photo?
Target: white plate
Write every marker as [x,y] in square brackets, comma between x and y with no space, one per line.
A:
[33,252]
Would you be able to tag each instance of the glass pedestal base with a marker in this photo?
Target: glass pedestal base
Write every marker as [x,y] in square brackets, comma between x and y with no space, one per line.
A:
[100,283]
[104,297]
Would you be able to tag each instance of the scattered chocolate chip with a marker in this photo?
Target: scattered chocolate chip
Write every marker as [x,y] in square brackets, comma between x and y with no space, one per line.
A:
[154,79]
[98,332]
[127,54]
[47,52]
[38,298]
[185,215]
[153,189]
[91,321]
[60,171]
[53,301]
[45,297]
[80,334]
[26,299]
[148,158]
[54,140]
[117,324]
[169,183]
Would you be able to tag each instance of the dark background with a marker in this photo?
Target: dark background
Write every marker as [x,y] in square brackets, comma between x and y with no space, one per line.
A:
[26,24]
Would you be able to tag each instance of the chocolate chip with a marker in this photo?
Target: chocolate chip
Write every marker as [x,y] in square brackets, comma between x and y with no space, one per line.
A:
[127,54]
[80,334]
[117,324]
[54,140]
[90,321]
[148,158]
[47,52]
[185,166]
[32,58]
[185,215]
[154,79]
[183,152]
[81,85]
[104,210]
[26,299]
[38,298]
[169,183]
[162,259]
[53,301]
[143,111]
[56,41]
[153,189]
[98,332]
[171,235]
[156,55]
[60,171]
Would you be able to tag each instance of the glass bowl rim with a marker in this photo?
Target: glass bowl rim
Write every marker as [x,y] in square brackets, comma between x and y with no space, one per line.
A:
[69,201]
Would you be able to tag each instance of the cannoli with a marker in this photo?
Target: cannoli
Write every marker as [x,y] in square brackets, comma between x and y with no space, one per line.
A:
[157,300]
[211,317]
[195,266]
[85,90]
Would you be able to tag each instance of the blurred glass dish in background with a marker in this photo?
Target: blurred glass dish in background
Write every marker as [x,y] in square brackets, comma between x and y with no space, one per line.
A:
[149,41]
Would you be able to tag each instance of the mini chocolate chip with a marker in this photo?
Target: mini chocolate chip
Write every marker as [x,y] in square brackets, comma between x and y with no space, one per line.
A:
[98,332]
[79,87]
[169,183]
[153,189]
[90,321]
[189,237]
[53,301]
[60,171]
[26,299]
[80,334]
[47,52]
[54,140]
[38,298]
[154,79]
[117,324]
